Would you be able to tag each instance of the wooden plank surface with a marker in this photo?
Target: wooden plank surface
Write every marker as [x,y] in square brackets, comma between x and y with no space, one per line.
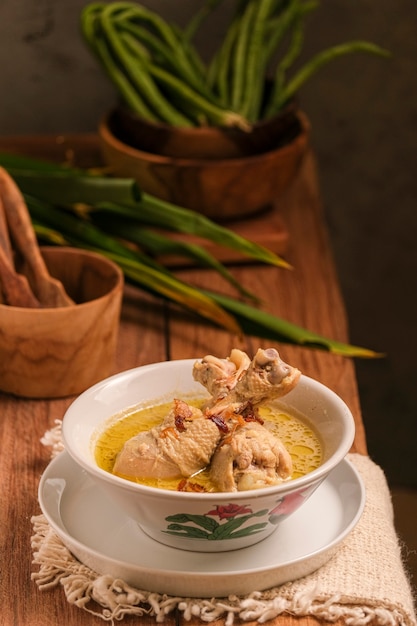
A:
[152,331]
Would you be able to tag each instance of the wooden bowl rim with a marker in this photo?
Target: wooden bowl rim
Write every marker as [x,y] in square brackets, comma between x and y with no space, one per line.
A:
[69,251]
[299,143]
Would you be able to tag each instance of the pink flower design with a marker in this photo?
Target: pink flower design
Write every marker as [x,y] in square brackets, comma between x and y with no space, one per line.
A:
[229,511]
[288,504]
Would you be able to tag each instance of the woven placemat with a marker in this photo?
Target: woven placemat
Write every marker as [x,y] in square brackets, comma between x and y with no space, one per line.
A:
[365,581]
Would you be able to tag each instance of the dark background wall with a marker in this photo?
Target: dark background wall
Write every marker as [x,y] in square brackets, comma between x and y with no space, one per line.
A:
[364,116]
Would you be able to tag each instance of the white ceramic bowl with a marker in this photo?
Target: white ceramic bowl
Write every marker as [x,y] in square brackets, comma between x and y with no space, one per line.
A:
[153,508]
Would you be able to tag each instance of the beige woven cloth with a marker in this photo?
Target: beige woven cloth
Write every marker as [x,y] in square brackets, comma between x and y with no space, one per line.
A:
[364,582]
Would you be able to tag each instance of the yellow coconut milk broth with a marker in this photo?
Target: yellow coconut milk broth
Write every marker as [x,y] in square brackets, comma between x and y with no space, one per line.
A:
[297,435]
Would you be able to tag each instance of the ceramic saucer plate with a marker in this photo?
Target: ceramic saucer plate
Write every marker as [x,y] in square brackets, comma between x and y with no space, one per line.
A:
[102,537]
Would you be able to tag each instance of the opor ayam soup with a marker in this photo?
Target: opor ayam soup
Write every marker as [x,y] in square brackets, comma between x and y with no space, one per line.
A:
[297,435]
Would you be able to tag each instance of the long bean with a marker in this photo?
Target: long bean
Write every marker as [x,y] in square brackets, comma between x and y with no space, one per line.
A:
[157,90]
[195,60]
[255,61]
[137,64]
[318,61]
[240,56]
[167,44]
[294,49]
[279,26]
[163,54]
[183,56]
[136,70]
[210,111]
[136,87]
[90,25]
[160,74]
[198,18]
[139,12]
[220,71]
[145,63]
[147,77]
[291,22]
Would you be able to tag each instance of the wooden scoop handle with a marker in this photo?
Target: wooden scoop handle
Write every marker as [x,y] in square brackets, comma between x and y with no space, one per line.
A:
[48,290]
[4,234]
[15,287]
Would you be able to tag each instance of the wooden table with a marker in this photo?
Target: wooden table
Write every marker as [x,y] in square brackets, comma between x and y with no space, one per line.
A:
[309,295]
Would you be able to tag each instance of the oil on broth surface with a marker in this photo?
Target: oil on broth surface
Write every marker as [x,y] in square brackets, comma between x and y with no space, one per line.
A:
[296,434]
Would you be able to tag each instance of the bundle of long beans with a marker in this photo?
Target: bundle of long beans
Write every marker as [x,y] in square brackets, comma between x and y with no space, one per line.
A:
[161,76]
[113,217]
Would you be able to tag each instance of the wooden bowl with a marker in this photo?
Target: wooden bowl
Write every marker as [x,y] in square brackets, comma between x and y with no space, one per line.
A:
[58,352]
[221,188]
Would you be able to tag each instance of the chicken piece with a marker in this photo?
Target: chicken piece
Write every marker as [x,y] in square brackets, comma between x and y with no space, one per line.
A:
[251,458]
[181,446]
[266,378]
[219,376]
[141,457]
[243,454]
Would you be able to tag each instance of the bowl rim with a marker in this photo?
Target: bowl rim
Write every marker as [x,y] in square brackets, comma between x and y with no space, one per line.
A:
[281,489]
[71,251]
[107,136]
